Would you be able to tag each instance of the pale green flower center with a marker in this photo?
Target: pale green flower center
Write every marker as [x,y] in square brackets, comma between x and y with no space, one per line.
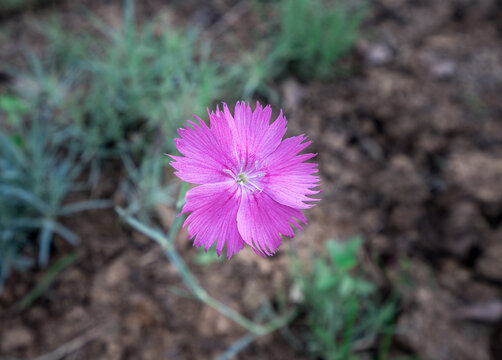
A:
[249,180]
[242,178]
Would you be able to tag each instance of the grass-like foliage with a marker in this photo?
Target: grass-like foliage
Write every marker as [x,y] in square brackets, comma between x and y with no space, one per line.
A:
[308,40]
[315,34]
[142,81]
[343,311]
[146,185]
[36,176]
[119,90]
[207,257]
[253,73]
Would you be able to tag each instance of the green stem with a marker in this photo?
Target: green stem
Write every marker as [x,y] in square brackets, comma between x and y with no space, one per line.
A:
[200,293]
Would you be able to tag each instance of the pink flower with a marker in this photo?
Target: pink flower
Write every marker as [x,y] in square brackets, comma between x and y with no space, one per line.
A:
[253,183]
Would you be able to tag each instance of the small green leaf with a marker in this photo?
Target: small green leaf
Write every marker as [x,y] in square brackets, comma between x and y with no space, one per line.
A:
[363,287]
[347,286]
[14,107]
[207,257]
[344,255]
[18,140]
[47,279]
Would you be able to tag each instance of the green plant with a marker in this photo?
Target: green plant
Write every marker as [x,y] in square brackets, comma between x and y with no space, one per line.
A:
[343,312]
[147,184]
[253,73]
[48,81]
[207,257]
[315,34]
[36,175]
[64,51]
[141,82]
[14,108]
[41,85]
[47,279]
[311,38]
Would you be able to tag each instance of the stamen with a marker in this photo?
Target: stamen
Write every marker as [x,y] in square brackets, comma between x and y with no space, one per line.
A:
[242,165]
[245,179]
[256,187]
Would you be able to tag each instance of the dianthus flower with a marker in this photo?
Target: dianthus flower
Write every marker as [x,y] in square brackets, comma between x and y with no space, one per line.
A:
[252,183]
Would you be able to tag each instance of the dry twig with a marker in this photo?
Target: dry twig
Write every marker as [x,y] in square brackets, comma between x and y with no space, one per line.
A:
[72,345]
[227,20]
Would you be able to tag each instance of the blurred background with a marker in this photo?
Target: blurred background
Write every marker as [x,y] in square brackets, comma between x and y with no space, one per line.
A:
[402,258]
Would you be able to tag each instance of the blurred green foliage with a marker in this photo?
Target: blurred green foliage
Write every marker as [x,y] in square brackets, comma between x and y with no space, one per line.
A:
[123,89]
[142,82]
[46,280]
[146,185]
[13,108]
[308,41]
[254,73]
[344,314]
[37,173]
[207,257]
[315,34]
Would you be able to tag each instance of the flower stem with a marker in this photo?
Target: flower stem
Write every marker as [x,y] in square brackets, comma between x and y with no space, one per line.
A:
[166,242]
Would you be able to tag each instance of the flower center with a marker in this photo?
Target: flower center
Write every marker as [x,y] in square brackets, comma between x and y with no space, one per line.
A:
[242,178]
[247,178]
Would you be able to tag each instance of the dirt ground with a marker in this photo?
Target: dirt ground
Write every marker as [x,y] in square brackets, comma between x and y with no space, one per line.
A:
[410,154]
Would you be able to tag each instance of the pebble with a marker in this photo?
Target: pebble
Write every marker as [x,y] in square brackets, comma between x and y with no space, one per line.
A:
[16,338]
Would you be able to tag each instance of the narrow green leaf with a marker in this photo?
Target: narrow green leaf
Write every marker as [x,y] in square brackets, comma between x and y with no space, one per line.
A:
[47,279]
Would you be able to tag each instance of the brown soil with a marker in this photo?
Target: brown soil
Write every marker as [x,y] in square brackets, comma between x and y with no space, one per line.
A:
[410,153]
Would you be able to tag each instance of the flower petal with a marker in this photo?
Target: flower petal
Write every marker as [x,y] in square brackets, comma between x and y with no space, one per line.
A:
[206,155]
[261,221]
[254,136]
[213,216]
[288,179]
